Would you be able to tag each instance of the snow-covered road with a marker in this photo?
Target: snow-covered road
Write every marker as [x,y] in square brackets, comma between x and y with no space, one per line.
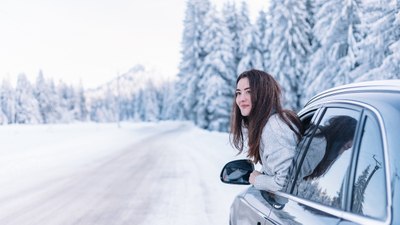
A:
[158,173]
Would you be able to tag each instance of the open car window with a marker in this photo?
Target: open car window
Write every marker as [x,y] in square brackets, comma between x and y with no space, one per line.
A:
[324,160]
[308,123]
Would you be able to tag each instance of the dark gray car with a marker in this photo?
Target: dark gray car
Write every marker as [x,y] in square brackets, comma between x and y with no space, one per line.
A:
[347,167]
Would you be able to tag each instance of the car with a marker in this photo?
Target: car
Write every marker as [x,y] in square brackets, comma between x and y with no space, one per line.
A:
[347,164]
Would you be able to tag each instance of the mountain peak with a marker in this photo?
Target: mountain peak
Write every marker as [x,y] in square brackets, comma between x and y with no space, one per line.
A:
[129,83]
[137,68]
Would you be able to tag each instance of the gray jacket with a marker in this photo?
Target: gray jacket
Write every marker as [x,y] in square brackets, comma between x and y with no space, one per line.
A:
[277,149]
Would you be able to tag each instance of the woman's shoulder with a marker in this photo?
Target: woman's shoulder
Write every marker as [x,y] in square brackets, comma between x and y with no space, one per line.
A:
[277,133]
[276,122]
[278,127]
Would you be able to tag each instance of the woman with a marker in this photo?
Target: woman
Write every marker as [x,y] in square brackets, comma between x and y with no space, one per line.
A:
[271,133]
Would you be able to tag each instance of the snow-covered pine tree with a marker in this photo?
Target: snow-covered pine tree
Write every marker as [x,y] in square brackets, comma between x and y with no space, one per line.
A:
[169,104]
[379,56]
[82,103]
[26,105]
[81,112]
[290,48]
[94,106]
[66,99]
[218,74]
[125,108]
[138,114]
[263,31]
[193,55]
[3,118]
[330,41]
[109,110]
[151,105]
[249,51]
[41,96]
[47,99]
[7,100]
[3,101]
[351,12]
[335,36]
[54,99]
[231,17]
[100,113]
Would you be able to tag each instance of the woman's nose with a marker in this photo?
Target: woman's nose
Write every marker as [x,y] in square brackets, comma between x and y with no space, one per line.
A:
[241,98]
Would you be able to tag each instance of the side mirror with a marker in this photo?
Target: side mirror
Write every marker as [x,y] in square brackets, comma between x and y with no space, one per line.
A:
[237,172]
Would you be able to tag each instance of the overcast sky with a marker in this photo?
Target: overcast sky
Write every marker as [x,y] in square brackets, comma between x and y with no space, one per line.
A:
[92,40]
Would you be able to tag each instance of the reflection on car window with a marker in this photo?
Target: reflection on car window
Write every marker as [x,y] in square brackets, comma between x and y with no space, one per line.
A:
[369,191]
[327,158]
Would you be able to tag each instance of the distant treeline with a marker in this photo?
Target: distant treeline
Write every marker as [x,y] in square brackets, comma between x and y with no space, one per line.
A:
[307,45]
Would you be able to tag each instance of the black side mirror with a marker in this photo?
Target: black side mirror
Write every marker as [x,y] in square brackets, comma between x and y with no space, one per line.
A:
[237,172]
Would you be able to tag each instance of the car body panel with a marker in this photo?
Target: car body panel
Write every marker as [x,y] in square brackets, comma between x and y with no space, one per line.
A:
[249,208]
[297,213]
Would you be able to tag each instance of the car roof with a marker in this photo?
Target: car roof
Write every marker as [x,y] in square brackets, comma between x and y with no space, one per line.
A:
[357,90]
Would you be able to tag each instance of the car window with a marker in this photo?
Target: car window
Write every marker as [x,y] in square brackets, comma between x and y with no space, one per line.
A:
[369,189]
[325,165]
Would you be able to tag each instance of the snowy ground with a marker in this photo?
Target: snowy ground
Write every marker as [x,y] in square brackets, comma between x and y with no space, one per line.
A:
[141,173]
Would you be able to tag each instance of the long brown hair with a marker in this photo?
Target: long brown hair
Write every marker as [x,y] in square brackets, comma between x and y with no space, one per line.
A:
[265,101]
[337,131]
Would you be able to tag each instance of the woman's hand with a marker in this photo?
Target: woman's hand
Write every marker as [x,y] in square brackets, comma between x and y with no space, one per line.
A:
[252,178]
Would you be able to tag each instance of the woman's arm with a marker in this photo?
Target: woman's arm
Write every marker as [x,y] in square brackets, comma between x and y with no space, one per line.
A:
[279,164]
[279,149]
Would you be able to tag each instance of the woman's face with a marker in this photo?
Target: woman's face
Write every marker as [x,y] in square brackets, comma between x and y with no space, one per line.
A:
[243,96]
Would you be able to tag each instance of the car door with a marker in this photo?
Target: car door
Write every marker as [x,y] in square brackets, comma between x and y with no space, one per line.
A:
[250,208]
[316,188]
